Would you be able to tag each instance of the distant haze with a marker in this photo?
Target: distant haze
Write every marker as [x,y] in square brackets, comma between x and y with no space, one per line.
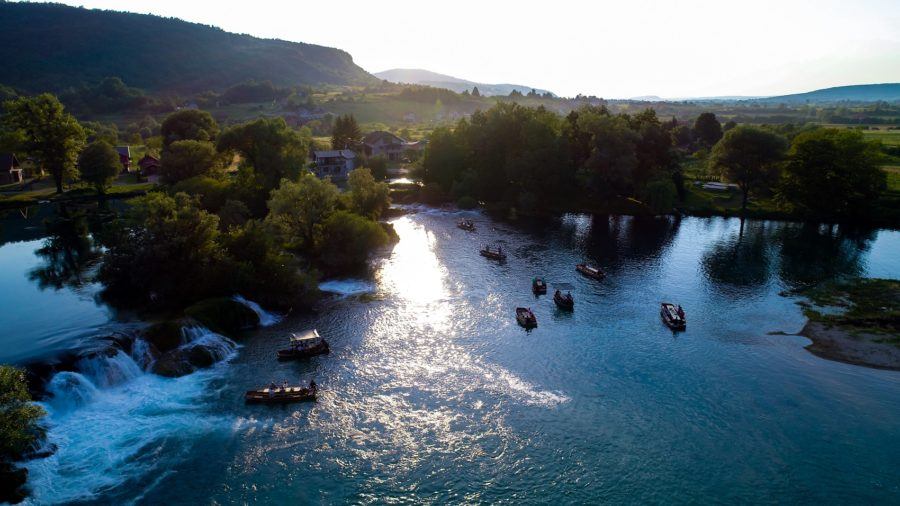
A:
[613,49]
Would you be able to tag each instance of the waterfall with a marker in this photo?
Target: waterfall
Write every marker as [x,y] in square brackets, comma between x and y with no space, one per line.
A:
[347,287]
[106,371]
[140,353]
[219,346]
[69,391]
[265,317]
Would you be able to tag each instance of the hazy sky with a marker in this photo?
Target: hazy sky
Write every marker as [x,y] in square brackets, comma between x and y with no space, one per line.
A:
[613,49]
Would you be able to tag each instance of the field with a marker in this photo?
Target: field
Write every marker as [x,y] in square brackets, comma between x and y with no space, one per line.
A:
[887,137]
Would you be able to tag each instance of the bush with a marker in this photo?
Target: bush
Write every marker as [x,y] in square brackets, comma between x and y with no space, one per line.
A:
[186,159]
[660,195]
[211,192]
[18,416]
[347,240]
[466,202]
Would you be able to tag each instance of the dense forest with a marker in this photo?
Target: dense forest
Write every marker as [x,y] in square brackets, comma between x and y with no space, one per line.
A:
[51,47]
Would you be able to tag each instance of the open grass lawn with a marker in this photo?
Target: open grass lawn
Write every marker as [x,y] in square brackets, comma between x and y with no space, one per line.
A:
[887,137]
[893,177]
[46,190]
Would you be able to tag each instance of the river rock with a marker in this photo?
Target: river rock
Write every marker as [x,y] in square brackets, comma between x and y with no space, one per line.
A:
[165,336]
[12,483]
[224,315]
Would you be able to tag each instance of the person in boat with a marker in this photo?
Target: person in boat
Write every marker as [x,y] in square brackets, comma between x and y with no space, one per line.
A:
[284,385]
[680,312]
[557,294]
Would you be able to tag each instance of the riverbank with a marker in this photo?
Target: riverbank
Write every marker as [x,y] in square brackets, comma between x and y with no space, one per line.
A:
[10,200]
[856,322]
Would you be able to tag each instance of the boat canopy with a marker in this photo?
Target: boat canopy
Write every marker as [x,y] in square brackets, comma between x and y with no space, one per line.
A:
[305,337]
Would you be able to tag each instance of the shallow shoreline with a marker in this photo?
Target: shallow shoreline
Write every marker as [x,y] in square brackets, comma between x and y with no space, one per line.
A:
[833,342]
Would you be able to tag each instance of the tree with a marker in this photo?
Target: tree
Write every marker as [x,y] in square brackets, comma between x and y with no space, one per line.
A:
[99,165]
[165,255]
[475,92]
[749,157]
[18,415]
[189,124]
[345,134]
[369,198]
[296,208]
[50,135]
[378,166]
[186,159]
[707,129]
[346,240]
[268,145]
[832,174]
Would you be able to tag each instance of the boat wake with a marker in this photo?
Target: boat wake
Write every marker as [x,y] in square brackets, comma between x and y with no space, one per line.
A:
[266,318]
[111,420]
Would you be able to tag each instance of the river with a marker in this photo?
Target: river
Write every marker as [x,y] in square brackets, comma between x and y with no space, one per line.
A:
[432,393]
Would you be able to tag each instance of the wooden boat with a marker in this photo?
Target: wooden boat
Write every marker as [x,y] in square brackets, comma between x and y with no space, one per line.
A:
[590,271]
[493,253]
[673,316]
[281,395]
[466,224]
[303,345]
[525,317]
[538,286]
[566,301]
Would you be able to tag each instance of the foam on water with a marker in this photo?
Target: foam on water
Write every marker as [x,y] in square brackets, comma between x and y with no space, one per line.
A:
[347,287]
[111,421]
[266,318]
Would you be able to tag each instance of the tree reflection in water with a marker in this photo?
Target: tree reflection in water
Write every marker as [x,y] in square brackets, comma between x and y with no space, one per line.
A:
[68,251]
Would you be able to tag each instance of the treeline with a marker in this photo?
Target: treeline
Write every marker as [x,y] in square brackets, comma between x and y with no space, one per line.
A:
[532,160]
[238,211]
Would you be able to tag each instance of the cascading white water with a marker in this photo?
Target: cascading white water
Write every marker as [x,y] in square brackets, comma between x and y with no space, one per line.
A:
[347,287]
[266,318]
[106,371]
[109,419]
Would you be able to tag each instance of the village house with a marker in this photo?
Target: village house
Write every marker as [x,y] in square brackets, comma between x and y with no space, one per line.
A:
[149,165]
[10,170]
[124,157]
[335,164]
[388,145]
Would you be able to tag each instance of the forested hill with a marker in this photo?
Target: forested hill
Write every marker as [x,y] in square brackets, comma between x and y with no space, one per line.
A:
[50,47]
[888,92]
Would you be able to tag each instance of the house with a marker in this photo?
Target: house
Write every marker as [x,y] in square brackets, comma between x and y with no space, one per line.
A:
[124,157]
[335,164]
[10,170]
[149,165]
[388,145]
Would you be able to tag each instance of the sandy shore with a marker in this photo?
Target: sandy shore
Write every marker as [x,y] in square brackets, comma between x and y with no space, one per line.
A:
[858,348]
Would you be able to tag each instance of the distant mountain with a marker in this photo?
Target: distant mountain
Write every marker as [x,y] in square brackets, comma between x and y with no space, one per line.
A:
[53,47]
[888,92]
[428,78]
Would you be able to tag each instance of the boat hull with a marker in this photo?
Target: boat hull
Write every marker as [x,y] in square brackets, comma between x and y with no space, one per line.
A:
[674,323]
[564,303]
[586,271]
[290,395]
[294,354]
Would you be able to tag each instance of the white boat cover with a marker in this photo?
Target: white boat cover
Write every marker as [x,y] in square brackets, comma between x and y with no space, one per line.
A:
[305,337]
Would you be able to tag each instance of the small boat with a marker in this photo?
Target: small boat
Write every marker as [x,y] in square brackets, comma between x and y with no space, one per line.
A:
[525,317]
[493,253]
[273,394]
[466,224]
[538,286]
[673,316]
[303,345]
[590,271]
[566,301]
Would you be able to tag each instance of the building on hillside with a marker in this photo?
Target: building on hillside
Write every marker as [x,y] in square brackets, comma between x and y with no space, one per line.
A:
[149,165]
[335,164]
[390,146]
[124,157]
[10,170]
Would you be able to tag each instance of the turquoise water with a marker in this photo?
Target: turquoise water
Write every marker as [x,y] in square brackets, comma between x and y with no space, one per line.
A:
[432,393]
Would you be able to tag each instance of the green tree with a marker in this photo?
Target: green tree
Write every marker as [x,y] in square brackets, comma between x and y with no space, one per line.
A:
[475,92]
[18,415]
[347,239]
[346,133]
[268,145]
[296,208]
[165,255]
[707,129]
[749,157]
[51,136]
[369,197]
[186,159]
[833,174]
[189,125]
[378,166]
[99,165]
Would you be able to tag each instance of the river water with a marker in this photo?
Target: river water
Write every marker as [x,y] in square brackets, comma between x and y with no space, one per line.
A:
[432,393]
